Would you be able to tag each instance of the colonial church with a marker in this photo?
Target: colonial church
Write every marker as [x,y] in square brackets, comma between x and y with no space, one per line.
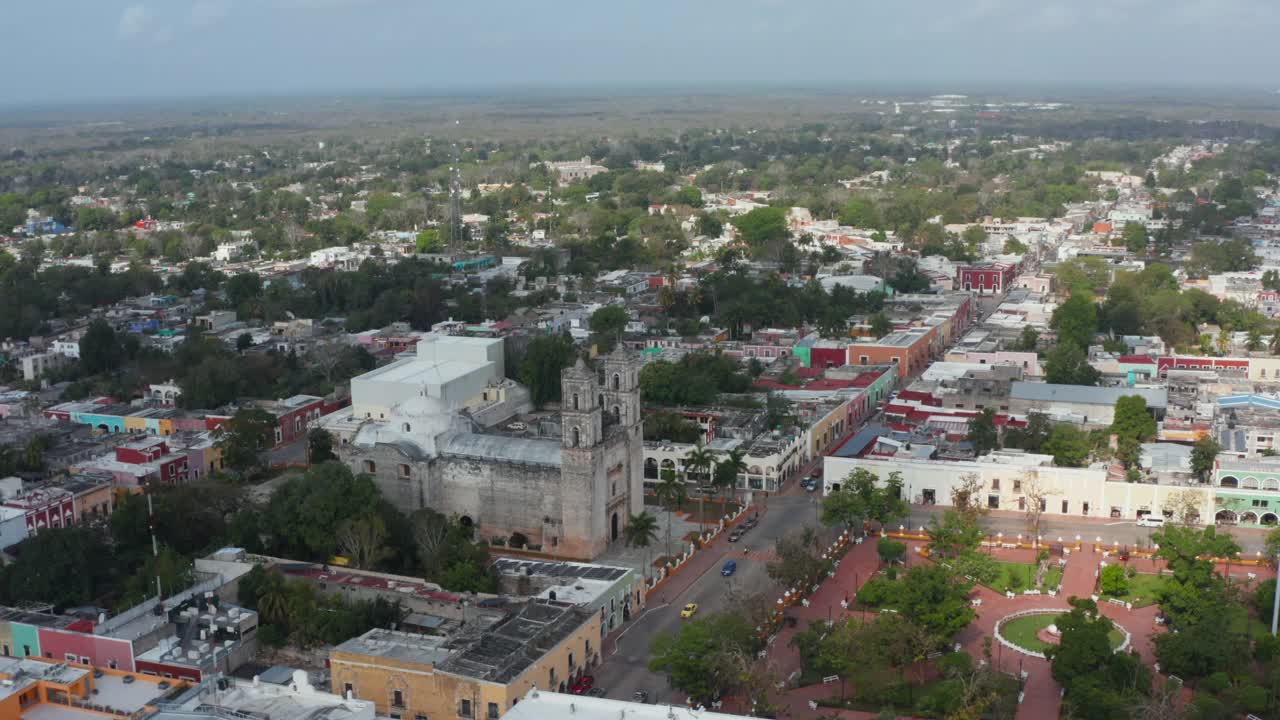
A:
[445,429]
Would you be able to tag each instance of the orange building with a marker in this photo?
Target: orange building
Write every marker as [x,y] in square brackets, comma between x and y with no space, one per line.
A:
[908,349]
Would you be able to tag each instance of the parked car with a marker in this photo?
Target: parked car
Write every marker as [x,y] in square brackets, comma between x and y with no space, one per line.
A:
[128,679]
[730,567]
[810,486]
[735,536]
[582,685]
[640,696]
[816,474]
[596,692]
[742,528]
[752,521]
[1151,521]
[689,611]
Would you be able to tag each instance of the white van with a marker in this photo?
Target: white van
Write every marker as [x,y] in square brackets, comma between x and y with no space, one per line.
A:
[1151,521]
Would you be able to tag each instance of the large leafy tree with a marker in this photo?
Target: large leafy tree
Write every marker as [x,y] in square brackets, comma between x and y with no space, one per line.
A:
[1067,364]
[762,226]
[954,535]
[798,563]
[243,438]
[540,369]
[863,498]
[1203,455]
[1069,445]
[1099,684]
[706,658]
[305,511]
[100,348]
[1192,593]
[1076,321]
[1132,424]
[983,432]
[936,600]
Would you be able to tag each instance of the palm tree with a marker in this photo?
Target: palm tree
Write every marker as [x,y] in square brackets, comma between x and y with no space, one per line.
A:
[273,603]
[641,531]
[728,470]
[700,460]
[671,492]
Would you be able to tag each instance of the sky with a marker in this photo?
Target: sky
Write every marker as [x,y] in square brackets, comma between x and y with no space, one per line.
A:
[88,50]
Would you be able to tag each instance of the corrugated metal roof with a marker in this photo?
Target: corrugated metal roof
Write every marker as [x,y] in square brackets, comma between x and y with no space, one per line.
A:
[1048,392]
[534,451]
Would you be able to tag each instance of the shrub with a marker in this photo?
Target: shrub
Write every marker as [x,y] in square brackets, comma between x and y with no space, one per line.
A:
[1015,581]
[878,591]
[1251,697]
[518,540]
[1113,580]
[891,551]
[1217,682]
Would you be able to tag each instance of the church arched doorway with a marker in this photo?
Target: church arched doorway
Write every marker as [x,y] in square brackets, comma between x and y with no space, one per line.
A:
[613,527]
[465,521]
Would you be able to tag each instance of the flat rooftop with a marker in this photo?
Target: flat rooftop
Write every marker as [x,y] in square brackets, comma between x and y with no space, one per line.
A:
[503,652]
[542,705]
[394,645]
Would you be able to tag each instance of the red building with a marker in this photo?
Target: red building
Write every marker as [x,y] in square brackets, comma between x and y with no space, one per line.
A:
[45,508]
[1228,366]
[293,417]
[153,454]
[986,278]
[829,354]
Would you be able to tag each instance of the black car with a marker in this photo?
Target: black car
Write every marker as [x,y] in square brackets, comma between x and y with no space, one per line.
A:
[595,692]
[640,696]
[735,536]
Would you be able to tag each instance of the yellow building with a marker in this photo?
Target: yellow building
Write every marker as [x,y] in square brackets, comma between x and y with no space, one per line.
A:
[469,673]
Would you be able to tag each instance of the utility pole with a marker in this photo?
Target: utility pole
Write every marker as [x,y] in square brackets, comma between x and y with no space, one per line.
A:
[155,545]
[1275,609]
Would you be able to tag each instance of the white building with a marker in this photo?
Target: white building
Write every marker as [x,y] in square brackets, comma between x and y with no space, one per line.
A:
[338,257]
[37,364]
[541,705]
[1011,478]
[67,348]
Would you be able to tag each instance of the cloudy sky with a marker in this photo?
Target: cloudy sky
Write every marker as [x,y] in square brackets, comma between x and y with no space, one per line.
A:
[69,50]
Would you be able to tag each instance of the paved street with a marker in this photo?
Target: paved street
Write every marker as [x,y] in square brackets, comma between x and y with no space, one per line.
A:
[626,671]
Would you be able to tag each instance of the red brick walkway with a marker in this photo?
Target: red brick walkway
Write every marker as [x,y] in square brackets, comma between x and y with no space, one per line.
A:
[1041,694]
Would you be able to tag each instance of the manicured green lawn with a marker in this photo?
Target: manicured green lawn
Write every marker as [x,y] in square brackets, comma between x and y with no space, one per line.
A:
[1142,590]
[1022,632]
[1026,574]
[1053,578]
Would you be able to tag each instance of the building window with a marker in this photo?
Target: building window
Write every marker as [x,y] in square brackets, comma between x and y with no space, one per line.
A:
[464,709]
[995,483]
[493,711]
[1064,507]
[297,424]
[571,663]
[1017,485]
[348,690]
[370,466]
[405,427]
[397,698]
[403,470]
[419,717]
[279,436]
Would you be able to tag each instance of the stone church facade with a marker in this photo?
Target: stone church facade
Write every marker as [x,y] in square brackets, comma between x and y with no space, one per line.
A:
[569,489]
